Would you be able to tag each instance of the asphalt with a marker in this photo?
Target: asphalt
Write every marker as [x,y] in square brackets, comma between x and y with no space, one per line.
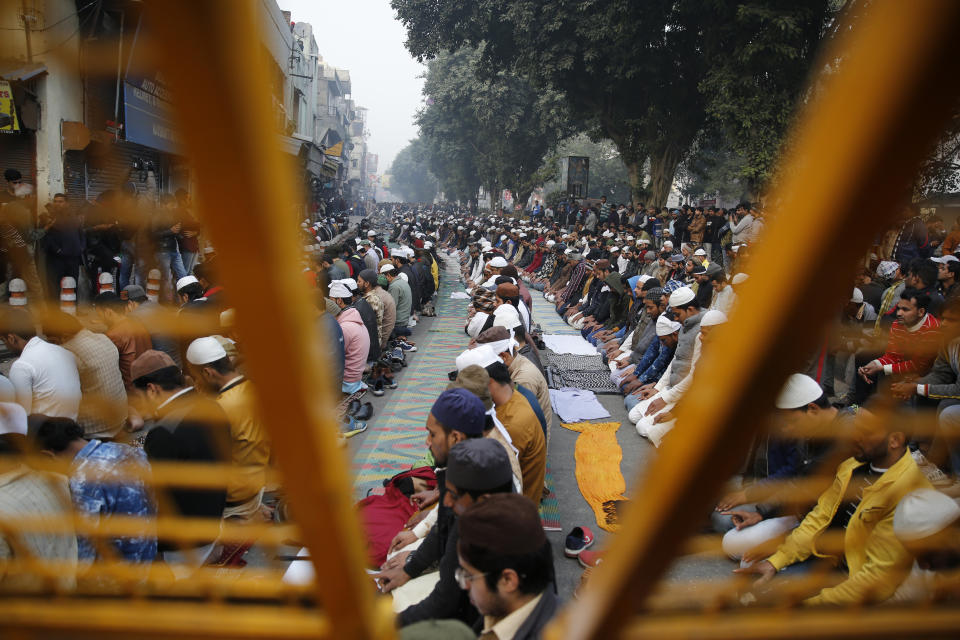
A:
[574,510]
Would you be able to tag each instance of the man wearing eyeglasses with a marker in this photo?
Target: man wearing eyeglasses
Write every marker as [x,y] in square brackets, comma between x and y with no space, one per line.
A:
[506,567]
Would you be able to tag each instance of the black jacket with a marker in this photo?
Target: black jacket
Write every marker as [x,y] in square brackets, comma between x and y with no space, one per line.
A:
[447,600]
[191,428]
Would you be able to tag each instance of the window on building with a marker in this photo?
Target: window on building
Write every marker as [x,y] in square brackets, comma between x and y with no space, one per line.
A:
[355,164]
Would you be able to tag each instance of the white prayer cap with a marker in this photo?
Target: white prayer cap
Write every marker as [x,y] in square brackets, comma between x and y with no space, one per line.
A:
[428,245]
[404,276]
[567,251]
[482,355]
[503,237]
[681,296]
[857,296]
[668,244]
[507,316]
[799,391]
[498,262]
[923,513]
[950,258]
[666,326]
[475,326]
[186,280]
[614,249]
[339,290]
[712,318]
[13,418]
[350,283]
[550,243]
[205,351]
[460,228]
[522,235]
[387,267]
[607,234]
[371,233]
[642,240]
[699,252]
[643,279]
[740,278]
[629,238]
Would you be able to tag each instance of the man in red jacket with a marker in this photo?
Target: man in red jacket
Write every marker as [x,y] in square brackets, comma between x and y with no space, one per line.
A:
[911,348]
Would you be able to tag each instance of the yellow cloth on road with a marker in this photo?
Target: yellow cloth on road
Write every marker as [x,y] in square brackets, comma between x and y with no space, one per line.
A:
[598,455]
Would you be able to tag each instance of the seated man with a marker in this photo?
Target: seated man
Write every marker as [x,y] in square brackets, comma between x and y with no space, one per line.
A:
[687,313]
[506,566]
[927,524]
[654,362]
[658,419]
[98,486]
[25,491]
[461,408]
[861,504]
[911,349]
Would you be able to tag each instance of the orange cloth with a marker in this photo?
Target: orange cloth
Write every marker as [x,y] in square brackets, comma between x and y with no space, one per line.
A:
[598,456]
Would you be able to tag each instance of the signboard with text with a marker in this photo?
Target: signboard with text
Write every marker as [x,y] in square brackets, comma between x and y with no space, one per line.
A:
[8,112]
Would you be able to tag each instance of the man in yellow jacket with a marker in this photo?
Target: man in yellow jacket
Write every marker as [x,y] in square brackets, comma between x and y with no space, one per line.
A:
[860,504]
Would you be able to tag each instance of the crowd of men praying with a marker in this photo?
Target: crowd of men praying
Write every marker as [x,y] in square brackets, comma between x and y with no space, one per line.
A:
[113,384]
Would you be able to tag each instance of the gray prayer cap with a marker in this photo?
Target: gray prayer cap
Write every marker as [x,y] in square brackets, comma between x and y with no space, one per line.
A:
[479,464]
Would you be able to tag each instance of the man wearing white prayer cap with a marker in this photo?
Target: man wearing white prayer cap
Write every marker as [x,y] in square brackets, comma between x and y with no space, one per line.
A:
[249,444]
[652,414]
[481,355]
[927,523]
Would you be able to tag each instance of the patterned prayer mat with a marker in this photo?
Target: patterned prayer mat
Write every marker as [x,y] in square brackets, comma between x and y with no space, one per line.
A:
[596,381]
[598,455]
[568,362]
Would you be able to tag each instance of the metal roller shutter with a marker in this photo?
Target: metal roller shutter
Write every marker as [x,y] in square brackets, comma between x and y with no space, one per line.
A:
[19,151]
[110,167]
[75,176]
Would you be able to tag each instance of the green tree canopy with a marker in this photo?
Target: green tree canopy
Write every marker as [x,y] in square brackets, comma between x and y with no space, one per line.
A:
[410,174]
[491,129]
[643,74]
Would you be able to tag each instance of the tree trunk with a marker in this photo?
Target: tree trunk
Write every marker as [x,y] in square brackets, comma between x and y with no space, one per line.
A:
[635,174]
[664,161]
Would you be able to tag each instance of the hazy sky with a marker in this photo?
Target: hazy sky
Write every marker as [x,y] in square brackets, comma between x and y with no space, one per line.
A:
[362,36]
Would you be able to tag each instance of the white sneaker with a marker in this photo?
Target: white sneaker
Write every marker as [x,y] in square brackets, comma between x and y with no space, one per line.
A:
[412,323]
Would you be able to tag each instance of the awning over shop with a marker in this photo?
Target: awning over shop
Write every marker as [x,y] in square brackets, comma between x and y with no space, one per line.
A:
[18,71]
[309,154]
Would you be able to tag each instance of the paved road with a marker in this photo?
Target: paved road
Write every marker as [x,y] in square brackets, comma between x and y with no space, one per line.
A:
[574,510]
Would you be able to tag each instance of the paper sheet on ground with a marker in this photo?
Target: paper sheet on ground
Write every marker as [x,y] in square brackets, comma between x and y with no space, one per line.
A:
[460,295]
[575,345]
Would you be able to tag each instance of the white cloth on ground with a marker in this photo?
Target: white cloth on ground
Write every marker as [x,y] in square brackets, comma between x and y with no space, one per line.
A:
[574,345]
[576,405]
[460,295]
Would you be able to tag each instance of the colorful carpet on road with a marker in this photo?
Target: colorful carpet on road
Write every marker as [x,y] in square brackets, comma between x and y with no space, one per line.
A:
[545,314]
[397,438]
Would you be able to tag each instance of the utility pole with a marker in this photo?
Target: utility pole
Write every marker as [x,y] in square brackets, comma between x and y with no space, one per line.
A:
[27,17]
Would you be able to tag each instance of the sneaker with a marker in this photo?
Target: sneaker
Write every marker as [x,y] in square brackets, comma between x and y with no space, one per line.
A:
[397,354]
[577,541]
[352,427]
[590,559]
[412,323]
[406,346]
[389,383]
[377,388]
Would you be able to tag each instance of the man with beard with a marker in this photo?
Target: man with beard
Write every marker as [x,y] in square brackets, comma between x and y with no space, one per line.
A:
[860,504]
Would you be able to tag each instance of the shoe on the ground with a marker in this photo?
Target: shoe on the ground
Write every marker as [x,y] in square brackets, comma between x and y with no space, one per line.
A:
[590,559]
[353,407]
[352,427]
[412,323]
[406,346]
[389,383]
[397,354]
[376,388]
[365,412]
[578,540]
